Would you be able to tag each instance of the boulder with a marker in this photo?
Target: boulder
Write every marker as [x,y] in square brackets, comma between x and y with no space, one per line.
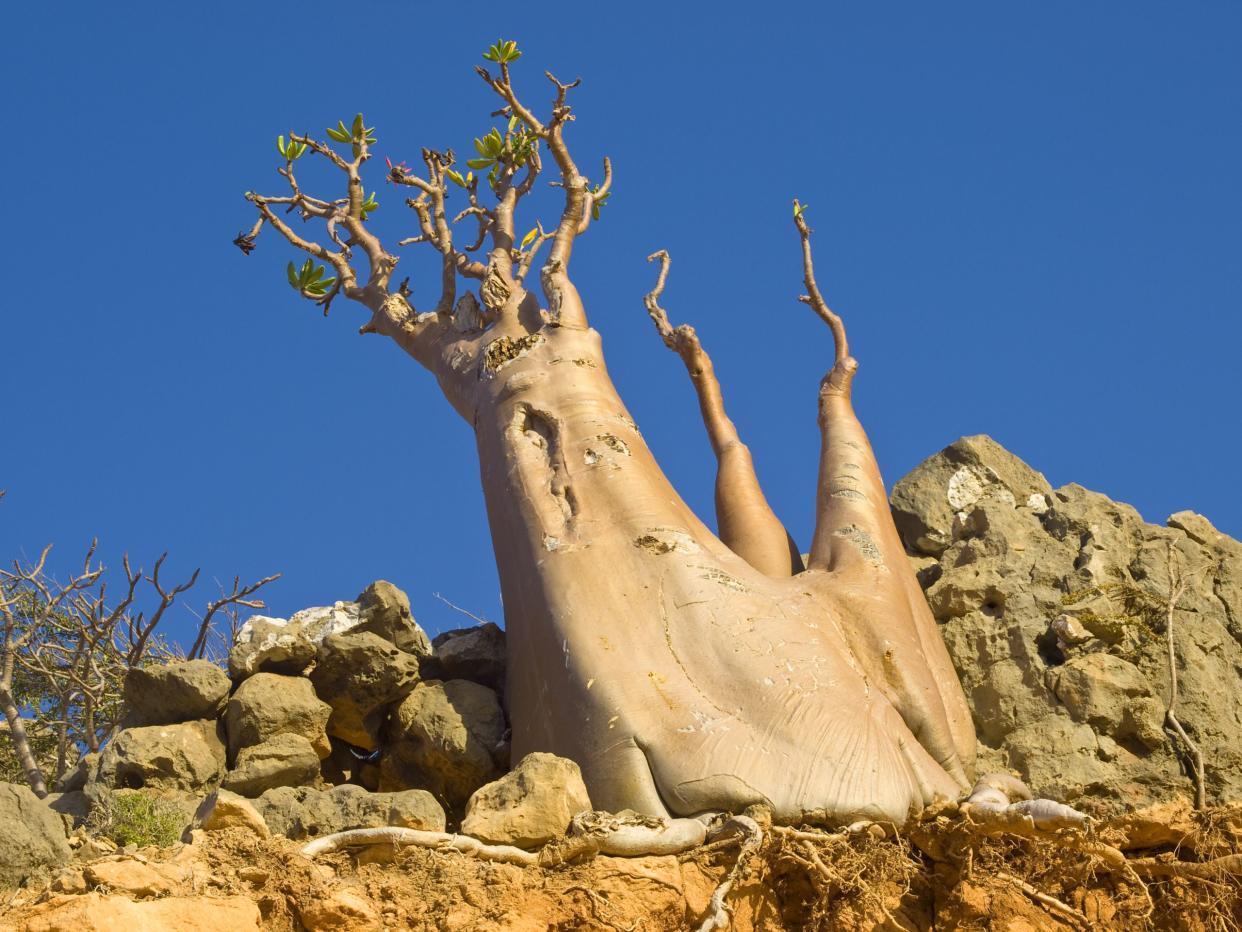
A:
[359,674]
[301,812]
[179,691]
[385,610]
[131,876]
[338,909]
[1053,606]
[73,807]
[186,757]
[972,470]
[476,654]
[442,738]
[33,837]
[287,646]
[268,704]
[97,911]
[224,810]
[529,806]
[282,760]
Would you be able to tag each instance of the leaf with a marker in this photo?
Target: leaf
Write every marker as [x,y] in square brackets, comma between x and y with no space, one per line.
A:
[357,127]
[455,177]
[595,211]
[799,209]
[479,147]
[479,163]
[338,135]
[293,275]
[529,237]
[280,144]
[513,121]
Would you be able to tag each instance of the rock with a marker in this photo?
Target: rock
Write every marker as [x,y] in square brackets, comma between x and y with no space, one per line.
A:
[343,909]
[131,876]
[224,810]
[287,646]
[441,738]
[1053,606]
[359,674]
[187,757]
[530,805]
[476,654]
[282,760]
[33,837]
[268,704]
[1106,692]
[974,469]
[97,912]
[74,807]
[385,610]
[179,691]
[302,812]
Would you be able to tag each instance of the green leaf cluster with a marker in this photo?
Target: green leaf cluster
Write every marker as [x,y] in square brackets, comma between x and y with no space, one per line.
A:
[502,52]
[515,148]
[369,205]
[309,278]
[598,201]
[291,150]
[457,178]
[357,134]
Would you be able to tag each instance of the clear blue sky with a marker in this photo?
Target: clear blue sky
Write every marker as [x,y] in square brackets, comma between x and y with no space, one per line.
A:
[1030,216]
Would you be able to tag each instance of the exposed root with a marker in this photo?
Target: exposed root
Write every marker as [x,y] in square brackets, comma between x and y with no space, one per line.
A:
[407,837]
[1051,902]
[752,837]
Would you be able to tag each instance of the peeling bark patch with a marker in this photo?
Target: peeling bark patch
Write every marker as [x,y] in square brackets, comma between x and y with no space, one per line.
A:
[851,495]
[666,540]
[723,578]
[863,541]
[587,363]
[541,466]
[616,444]
[506,349]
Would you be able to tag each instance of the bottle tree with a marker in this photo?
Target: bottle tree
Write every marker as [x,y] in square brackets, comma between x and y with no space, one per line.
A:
[684,670]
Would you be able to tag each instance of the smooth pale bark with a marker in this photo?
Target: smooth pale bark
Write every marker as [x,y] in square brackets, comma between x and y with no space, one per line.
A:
[679,677]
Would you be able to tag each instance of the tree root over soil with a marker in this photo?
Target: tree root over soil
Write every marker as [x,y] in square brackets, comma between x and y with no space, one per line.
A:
[961,865]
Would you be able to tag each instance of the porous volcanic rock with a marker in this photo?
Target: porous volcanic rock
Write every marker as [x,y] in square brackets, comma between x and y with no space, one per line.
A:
[442,738]
[282,760]
[32,836]
[359,674]
[178,691]
[476,654]
[301,812]
[268,704]
[530,805]
[1054,607]
[187,757]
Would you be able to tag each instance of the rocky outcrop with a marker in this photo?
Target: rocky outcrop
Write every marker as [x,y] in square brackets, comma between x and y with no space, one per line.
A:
[69,913]
[304,812]
[384,609]
[289,646]
[32,837]
[268,704]
[1054,607]
[530,805]
[186,757]
[282,760]
[179,691]
[359,674]
[442,738]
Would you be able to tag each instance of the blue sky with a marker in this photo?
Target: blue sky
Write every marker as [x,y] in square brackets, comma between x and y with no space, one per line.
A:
[1029,216]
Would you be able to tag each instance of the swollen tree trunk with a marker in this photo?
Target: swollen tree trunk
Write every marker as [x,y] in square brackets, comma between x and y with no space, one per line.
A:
[685,672]
[679,677]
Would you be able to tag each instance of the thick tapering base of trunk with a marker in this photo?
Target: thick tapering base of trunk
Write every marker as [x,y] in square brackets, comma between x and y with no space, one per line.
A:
[681,679]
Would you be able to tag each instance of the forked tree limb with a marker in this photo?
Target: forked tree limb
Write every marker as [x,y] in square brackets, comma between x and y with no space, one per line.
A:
[746,523]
